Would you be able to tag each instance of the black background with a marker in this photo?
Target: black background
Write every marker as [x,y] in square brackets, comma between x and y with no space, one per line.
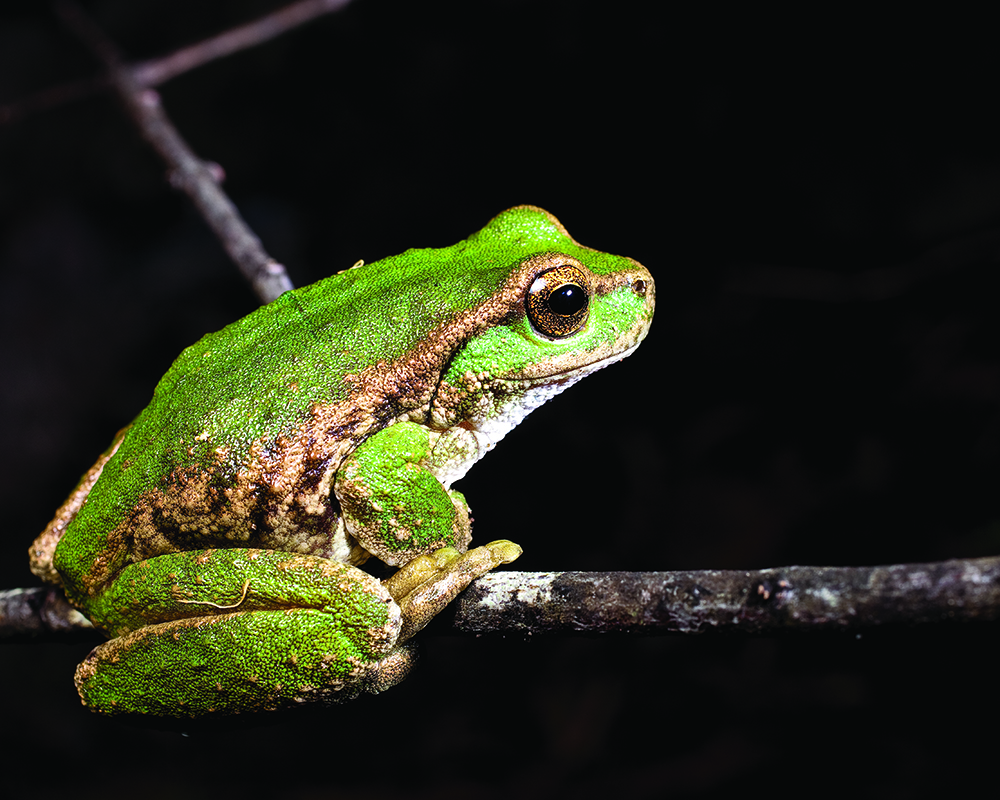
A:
[818,198]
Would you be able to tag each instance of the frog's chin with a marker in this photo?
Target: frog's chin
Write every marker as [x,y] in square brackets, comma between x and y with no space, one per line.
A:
[513,399]
[527,394]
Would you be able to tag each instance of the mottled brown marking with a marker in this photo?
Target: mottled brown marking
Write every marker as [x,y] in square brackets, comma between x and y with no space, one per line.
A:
[43,548]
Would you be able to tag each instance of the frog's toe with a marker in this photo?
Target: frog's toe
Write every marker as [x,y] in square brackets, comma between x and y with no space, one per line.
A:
[423,602]
[386,673]
[503,550]
[419,570]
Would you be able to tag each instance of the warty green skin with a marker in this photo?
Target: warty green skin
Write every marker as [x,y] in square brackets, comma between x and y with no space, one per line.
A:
[216,539]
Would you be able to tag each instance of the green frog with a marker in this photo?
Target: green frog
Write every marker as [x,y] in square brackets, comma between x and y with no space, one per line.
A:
[218,541]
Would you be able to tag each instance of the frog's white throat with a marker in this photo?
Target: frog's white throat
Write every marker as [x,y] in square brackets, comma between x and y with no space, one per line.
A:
[524,397]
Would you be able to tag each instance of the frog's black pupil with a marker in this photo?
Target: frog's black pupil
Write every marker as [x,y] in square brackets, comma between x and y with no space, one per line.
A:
[567,300]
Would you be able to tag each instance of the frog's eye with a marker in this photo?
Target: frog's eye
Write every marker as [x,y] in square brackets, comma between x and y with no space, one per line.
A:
[558,301]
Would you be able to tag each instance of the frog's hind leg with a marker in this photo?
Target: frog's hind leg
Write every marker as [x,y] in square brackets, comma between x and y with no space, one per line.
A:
[224,631]
[214,632]
[231,663]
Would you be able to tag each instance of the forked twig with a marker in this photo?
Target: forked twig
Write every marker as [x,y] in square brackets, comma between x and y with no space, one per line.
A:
[196,178]
[156,71]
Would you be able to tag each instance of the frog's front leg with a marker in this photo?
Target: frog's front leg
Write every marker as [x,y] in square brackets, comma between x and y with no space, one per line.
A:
[240,630]
[391,493]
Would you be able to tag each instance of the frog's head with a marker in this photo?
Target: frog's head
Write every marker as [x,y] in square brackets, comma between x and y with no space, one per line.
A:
[557,312]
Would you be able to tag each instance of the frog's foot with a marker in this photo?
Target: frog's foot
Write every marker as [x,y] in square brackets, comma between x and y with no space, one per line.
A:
[425,585]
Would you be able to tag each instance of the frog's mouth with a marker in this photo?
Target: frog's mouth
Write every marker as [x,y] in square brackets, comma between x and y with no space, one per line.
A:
[573,374]
[566,365]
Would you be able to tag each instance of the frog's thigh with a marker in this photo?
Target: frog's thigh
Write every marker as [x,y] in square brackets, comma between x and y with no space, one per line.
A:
[228,630]
[393,504]
[197,583]
[244,661]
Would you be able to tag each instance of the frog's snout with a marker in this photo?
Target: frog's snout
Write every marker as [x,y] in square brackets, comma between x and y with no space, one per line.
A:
[643,286]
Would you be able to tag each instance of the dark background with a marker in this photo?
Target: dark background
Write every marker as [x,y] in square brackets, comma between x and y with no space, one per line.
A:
[818,198]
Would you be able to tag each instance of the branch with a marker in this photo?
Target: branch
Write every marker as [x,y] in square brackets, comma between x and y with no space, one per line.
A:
[196,178]
[795,599]
[160,70]
[782,600]
[52,97]
[28,613]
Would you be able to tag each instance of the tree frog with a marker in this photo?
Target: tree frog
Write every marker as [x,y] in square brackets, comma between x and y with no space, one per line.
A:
[218,541]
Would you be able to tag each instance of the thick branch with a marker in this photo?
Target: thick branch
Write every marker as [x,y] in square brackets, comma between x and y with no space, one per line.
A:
[787,599]
[198,179]
[765,601]
[38,612]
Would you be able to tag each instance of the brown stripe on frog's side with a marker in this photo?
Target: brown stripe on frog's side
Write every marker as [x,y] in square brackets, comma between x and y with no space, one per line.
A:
[281,498]
[42,549]
[273,502]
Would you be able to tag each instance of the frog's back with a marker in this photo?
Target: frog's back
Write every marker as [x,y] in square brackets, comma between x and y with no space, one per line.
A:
[219,457]
[244,433]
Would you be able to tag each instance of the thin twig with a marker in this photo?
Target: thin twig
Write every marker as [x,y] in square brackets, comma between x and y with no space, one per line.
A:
[782,600]
[53,97]
[156,71]
[159,70]
[196,178]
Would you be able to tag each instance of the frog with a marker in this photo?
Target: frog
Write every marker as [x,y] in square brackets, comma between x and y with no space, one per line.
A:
[220,542]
